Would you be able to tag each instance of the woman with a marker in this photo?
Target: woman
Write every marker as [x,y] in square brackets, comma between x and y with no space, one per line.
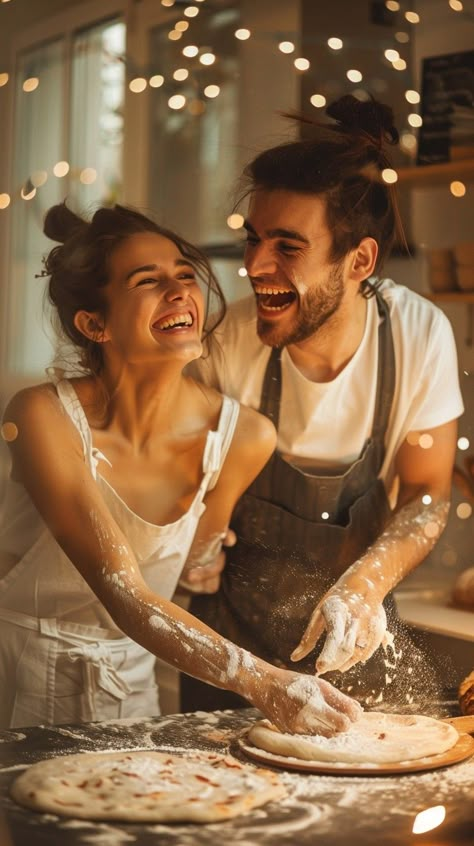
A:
[112,471]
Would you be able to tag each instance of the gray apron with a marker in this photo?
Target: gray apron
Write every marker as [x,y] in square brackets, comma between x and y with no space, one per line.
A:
[287,555]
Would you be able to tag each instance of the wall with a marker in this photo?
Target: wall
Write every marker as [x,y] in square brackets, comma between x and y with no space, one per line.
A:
[439,219]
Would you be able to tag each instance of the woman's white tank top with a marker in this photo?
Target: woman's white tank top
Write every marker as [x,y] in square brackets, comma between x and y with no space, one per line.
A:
[40,579]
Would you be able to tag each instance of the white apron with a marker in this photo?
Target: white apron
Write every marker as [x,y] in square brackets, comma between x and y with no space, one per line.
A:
[62,659]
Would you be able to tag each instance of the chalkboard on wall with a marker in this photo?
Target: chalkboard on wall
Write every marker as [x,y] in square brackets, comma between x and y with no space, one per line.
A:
[447,108]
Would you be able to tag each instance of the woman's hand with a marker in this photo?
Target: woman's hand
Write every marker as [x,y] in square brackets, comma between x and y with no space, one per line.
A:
[303,704]
[353,617]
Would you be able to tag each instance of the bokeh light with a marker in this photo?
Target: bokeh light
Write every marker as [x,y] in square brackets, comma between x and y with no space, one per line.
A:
[31,84]
[61,169]
[408,142]
[207,59]
[431,529]
[38,178]
[177,101]
[88,175]
[458,189]
[212,91]
[389,175]
[317,100]
[286,47]
[415,120]
[301,64]
[9,431]
[137,85]
[242,34]
[235,221]
[428,819]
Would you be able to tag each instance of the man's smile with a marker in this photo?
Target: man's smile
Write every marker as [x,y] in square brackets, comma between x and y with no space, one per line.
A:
[271,299]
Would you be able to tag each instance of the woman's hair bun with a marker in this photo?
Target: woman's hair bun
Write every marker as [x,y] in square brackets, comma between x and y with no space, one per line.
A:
[60,223]
[369,116]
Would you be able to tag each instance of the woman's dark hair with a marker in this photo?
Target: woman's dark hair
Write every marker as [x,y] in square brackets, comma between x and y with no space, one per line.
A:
[341,160]
[78,268]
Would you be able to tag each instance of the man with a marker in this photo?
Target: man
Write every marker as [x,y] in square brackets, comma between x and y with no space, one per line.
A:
[360,379]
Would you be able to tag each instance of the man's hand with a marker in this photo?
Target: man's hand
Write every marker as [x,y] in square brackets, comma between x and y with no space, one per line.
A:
[202,572]
[353,617]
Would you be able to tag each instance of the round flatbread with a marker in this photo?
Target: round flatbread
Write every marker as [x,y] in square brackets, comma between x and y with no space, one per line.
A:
[146,786]
[375,738]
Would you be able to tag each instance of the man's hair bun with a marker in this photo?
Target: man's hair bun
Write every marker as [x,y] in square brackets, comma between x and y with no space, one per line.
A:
[369,116]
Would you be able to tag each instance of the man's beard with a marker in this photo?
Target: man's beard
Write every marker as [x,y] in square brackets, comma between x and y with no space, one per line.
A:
[314,311]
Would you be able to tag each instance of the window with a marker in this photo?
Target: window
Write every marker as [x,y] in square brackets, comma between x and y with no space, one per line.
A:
[59,153]
[194,146]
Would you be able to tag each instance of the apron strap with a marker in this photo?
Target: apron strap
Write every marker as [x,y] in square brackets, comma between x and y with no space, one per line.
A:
[385,373]
[271,389]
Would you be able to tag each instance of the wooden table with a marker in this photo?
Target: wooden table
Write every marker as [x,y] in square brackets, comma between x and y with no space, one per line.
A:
[326,810]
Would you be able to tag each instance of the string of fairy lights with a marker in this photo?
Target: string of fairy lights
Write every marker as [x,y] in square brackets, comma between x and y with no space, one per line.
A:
[207,58]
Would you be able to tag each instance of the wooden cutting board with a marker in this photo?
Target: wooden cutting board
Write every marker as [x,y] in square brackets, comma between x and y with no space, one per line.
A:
[462,750]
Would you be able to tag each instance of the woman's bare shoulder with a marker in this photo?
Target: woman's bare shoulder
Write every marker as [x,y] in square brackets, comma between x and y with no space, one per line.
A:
[31,400]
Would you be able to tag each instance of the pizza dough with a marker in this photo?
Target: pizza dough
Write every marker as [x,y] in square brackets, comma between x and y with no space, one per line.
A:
[375,738]
[146,786]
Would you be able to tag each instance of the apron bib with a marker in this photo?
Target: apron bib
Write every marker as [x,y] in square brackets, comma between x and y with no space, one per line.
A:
[288,554]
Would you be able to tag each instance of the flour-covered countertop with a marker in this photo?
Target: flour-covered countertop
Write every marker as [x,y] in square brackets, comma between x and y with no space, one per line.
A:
[329,810]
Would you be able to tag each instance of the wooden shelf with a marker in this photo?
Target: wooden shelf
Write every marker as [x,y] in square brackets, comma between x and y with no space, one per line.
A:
[451,297]
[437,174]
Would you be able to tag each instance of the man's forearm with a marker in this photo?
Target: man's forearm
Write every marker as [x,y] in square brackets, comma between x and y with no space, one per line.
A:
[408,538]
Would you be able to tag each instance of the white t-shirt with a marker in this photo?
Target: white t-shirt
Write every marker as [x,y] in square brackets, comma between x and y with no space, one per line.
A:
[329,422]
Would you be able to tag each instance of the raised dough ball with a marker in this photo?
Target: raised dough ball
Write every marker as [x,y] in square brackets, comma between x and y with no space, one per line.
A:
[463,591]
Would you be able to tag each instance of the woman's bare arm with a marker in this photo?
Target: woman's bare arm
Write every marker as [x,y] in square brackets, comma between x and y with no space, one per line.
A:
[48,460]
